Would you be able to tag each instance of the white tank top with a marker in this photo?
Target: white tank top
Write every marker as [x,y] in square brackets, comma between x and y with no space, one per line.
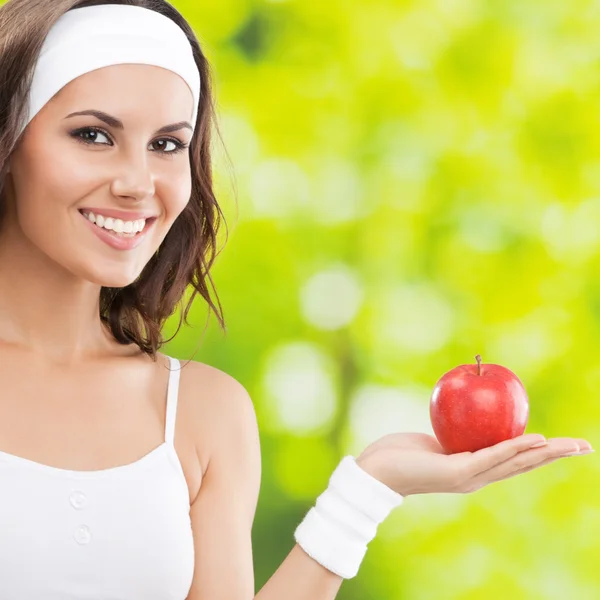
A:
[122,533]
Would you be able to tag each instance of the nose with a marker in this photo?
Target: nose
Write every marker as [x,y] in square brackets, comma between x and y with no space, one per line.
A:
[135,180]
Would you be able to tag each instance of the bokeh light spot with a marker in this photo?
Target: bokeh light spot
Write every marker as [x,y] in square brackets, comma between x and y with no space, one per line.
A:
[300,395]
[378,410]
[414,317]
[330,299]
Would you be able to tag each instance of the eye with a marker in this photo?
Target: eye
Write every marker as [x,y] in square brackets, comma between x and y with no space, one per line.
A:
[90,135]
[176,146]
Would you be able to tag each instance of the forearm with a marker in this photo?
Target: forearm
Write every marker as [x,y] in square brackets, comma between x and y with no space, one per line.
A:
[299,577]
[335,532]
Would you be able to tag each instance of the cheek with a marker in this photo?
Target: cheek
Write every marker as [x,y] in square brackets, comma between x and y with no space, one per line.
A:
[175,191]
[50,182]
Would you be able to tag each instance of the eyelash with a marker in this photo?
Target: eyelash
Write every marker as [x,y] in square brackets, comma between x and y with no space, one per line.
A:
[180,146]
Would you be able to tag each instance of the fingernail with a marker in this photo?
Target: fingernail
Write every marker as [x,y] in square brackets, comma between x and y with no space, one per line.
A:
[588,451]
[540,444]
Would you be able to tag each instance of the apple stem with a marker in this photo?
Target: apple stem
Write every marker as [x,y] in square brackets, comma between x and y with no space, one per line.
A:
[478,359]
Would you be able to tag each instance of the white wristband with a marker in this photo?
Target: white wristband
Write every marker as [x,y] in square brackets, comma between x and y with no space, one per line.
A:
[335,532]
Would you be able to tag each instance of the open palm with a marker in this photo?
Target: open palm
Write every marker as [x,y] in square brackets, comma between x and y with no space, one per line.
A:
[415,463]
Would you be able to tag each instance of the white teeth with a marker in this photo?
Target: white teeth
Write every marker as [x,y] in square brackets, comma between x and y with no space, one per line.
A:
[117,225]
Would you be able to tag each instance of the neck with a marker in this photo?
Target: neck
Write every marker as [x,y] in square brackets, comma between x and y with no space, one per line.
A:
[44,308]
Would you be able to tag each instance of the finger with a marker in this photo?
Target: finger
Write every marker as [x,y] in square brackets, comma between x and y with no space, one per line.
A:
[584,447]
[529,459]
[526,469]
[487,458]
[583,444]
[563,444]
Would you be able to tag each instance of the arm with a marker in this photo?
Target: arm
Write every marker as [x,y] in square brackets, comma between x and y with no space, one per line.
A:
[299,577]
[223,513]
[409,463]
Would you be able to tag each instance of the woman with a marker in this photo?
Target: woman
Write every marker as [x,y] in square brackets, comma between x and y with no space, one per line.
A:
[120,479]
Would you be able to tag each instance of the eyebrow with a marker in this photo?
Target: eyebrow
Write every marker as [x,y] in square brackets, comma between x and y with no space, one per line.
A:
[118,124]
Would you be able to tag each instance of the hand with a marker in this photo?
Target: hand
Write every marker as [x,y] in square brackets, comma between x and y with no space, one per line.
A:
[415,463]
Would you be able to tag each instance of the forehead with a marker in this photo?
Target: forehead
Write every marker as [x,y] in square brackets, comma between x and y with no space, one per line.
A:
[128,89]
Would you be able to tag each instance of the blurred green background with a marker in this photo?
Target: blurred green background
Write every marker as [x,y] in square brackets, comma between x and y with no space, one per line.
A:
[417,182]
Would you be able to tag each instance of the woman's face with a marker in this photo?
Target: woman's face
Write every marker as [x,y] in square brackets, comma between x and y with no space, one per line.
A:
[129,176]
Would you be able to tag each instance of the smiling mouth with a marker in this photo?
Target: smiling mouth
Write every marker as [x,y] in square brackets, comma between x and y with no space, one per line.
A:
[118,227]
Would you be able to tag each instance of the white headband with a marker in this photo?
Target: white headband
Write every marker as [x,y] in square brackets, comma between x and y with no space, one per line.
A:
[86,39]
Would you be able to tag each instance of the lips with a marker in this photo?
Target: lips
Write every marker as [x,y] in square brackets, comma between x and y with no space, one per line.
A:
[124,215]
[118,241]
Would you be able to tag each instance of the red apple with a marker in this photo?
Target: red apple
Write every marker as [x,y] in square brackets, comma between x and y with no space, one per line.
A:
[476,406]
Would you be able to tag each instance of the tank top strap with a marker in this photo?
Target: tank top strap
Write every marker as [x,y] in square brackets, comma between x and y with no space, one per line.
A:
[172,394]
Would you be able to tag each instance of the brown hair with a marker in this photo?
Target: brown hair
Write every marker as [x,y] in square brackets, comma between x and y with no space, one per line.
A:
[137,312]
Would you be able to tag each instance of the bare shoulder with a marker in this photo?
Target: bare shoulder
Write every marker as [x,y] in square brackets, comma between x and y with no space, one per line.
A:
[213,390]
[216,409]
[204,375]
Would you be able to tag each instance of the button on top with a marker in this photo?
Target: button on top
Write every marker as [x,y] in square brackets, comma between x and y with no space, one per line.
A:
[83,535]
[78,499]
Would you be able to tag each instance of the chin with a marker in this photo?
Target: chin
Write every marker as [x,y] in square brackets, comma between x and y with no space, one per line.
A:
[116,278]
